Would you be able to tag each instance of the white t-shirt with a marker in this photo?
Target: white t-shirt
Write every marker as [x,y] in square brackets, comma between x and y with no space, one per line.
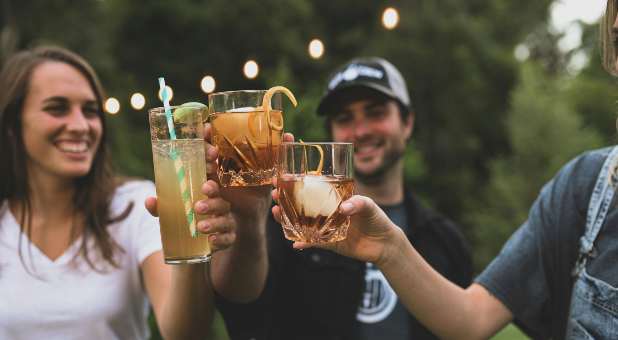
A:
[67,299]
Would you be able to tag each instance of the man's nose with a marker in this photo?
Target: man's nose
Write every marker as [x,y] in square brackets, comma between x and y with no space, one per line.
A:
[361,128]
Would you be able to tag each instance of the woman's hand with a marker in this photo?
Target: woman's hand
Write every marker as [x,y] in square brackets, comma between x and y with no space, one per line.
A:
[371,236]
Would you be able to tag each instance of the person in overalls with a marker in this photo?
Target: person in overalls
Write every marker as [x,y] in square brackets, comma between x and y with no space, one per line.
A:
[556,277]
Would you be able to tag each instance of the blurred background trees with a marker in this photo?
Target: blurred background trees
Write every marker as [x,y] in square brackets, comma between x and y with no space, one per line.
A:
[490,130]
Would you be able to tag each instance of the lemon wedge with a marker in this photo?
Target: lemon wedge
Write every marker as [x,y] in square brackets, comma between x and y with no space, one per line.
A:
[184,111]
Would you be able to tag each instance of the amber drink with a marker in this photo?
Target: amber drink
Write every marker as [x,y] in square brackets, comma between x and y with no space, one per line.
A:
[180,171]
[313,180]
[247,128]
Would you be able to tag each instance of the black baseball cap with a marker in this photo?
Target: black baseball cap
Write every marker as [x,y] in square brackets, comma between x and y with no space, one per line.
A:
[374,73]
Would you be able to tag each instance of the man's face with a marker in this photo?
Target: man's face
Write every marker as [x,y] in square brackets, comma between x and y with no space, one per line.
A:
[374,125]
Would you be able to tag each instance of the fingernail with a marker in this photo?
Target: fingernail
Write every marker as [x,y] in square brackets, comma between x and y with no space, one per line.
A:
[201,207]
[346,206]
[203,226]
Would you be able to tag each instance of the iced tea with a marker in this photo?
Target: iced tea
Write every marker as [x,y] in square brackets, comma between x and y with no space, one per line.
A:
[179,246]
[180,170]
[247,127]
[312,181]
[248,146]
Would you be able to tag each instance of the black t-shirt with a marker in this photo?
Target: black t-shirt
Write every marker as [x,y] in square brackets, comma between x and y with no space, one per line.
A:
[315,294]
[532,274]
[381,315]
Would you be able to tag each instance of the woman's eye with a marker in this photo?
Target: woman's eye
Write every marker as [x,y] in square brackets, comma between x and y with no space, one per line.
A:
[55,110]
[90,112]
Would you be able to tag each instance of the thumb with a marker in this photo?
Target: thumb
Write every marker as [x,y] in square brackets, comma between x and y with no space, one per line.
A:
[361,206]
[151,206]
[304,245]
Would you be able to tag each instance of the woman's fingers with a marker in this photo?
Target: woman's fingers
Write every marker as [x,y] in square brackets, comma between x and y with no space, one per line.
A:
[288,137]
[151,206]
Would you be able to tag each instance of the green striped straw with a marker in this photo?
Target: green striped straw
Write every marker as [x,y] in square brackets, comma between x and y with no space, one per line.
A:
[181,174]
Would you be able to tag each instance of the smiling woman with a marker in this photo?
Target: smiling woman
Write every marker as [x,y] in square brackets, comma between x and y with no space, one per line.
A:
[90,260]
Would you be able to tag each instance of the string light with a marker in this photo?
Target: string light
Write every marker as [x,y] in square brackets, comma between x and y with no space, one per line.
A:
[316,48]
[208,84]
[170,93]
[390,18]
[138,101]
[112,105]
[251,69]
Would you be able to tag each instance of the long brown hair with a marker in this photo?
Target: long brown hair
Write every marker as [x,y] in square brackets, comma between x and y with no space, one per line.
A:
[607,41]
[93,192]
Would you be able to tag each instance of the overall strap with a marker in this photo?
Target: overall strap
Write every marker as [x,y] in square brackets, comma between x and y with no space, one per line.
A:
[598,207]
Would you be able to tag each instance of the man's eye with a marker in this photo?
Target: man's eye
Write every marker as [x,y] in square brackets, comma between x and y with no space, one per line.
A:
[341,119]
[375,113]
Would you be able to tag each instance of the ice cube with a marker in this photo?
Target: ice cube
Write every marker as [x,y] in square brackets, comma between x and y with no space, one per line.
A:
[316,196]
[245,109]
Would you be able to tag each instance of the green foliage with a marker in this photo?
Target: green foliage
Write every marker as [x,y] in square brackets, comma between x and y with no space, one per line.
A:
[544,132]
[488,131]
[510,332]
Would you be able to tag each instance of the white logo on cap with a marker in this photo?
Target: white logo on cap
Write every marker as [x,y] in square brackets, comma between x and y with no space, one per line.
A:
[350,74]
[354,71]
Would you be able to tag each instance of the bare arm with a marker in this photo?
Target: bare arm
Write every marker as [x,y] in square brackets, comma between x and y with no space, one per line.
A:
[449,311]
[239,273]
[181,298]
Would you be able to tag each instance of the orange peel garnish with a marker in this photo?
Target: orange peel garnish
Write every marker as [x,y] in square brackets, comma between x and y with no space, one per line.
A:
[318,171]
[267,105]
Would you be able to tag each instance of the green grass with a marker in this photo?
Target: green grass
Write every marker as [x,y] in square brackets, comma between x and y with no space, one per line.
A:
[510,332]
[217,332]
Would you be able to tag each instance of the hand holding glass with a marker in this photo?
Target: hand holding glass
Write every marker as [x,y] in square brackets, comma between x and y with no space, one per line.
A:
[180,171]
[313,179]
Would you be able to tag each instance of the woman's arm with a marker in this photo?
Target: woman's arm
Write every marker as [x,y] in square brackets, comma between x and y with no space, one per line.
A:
[181,297]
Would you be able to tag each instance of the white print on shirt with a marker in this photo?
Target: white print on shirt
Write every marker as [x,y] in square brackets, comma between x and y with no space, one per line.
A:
[379,299]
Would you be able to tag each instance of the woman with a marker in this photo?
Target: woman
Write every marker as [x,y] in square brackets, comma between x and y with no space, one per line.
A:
[556,277]
[79,259]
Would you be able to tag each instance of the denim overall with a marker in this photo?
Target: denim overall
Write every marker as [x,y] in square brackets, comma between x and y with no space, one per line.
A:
[594,303]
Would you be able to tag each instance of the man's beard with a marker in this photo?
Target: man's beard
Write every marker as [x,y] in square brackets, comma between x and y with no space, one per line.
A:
[391,157]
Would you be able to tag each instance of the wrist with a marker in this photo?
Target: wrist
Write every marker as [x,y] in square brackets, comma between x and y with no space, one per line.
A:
[394,245]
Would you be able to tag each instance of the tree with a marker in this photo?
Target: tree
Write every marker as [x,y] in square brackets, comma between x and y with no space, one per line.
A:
[544,132]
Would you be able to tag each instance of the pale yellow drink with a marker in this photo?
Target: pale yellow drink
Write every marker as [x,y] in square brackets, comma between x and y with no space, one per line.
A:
[178,244]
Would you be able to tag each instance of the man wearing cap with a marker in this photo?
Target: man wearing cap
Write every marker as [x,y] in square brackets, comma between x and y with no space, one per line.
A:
[316,294]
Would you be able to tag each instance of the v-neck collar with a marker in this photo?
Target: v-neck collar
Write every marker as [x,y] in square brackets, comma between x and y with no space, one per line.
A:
[10,228]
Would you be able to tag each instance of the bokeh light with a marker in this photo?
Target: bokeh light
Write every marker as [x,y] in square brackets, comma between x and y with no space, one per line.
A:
[251,69]
[112,105]
[169,91]
[138,101]
[316,48]
[208,84]
[390,18]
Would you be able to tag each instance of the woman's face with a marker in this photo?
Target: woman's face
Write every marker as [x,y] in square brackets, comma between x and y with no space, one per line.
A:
[61,123]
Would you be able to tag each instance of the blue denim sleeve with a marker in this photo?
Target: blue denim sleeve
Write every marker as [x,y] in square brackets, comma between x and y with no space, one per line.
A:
[531,272]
